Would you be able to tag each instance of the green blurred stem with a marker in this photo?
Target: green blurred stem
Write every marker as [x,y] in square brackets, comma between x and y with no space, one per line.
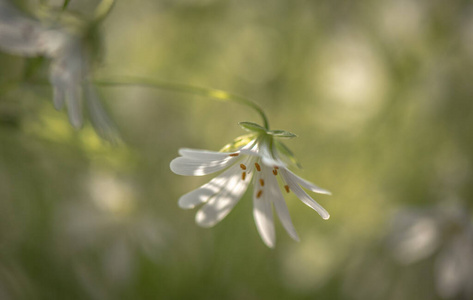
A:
[103,9]
[66,3]
[184,88]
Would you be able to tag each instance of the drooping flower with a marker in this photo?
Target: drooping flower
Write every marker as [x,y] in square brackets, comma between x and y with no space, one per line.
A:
[444,234]
[70,46]
[258,155]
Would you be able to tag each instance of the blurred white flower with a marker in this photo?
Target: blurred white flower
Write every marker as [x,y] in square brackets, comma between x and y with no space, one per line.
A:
[444,233]
[70,54]
[256,154]
[113,227]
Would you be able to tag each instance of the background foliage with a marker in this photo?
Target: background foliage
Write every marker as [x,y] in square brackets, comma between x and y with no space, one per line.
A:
[379,93]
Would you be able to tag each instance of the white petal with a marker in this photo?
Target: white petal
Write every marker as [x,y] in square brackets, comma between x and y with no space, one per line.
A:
[280,204]
[453,268]
[192,167]
[221,204]
[74,105]
[67,72]
[19,34]
[59,94]
[268,158]
[271,162]
[302,195]
[307,184]
[53,42]
[263,212]
[203,154]
[203,194]
[99,118]
[62,84]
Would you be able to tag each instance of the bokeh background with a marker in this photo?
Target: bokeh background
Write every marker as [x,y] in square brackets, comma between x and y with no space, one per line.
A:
[379,93]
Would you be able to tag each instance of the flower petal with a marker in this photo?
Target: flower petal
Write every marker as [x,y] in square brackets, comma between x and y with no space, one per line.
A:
[59,94]
[19,34]
[102,123]
[74,104]
[307,184]
[453,268]
[193,167]
[205,192]
[268,158]
[271,162]
[263,212]
[204,154]
[302,195]
[67,72]
[280,205]
[221,204]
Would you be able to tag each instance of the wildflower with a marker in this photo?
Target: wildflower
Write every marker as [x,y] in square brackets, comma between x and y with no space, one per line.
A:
[70,46]
[112,225]
[444,234]
[259,155]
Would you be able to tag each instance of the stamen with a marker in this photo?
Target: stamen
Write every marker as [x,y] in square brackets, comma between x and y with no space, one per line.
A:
[261,181]
[242,166]
[287,188]
[260,192]
[243,175]
[276,167]
[234,154]
[275,172]
[258,167]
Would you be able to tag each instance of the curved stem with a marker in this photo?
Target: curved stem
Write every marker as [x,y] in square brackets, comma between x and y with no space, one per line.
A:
[184,88]
[103,9]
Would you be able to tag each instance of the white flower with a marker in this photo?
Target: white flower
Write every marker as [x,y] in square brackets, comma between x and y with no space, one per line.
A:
[69,52]
[111,225]
[443,233]
[258,158]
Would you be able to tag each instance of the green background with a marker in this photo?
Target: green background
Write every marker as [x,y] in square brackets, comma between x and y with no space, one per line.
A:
[378,92]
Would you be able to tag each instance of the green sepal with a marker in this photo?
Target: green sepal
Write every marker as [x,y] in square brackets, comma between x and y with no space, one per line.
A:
[281,134]
[252,127]
[287,153]
[237,143]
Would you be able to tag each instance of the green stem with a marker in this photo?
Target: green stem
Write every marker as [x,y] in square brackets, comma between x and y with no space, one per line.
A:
[184,88]
[102,10]
[66,3]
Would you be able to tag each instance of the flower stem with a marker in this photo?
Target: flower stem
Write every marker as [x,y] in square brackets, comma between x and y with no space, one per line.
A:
[66,3]
[184,88]
[102,10]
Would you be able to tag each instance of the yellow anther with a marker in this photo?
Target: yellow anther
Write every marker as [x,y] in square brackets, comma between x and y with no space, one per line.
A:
[287,188]
[234,154]
[276,167]
[261,181]
[243,175]
[260,192]
[258,167]
[242,166]
[275,172]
